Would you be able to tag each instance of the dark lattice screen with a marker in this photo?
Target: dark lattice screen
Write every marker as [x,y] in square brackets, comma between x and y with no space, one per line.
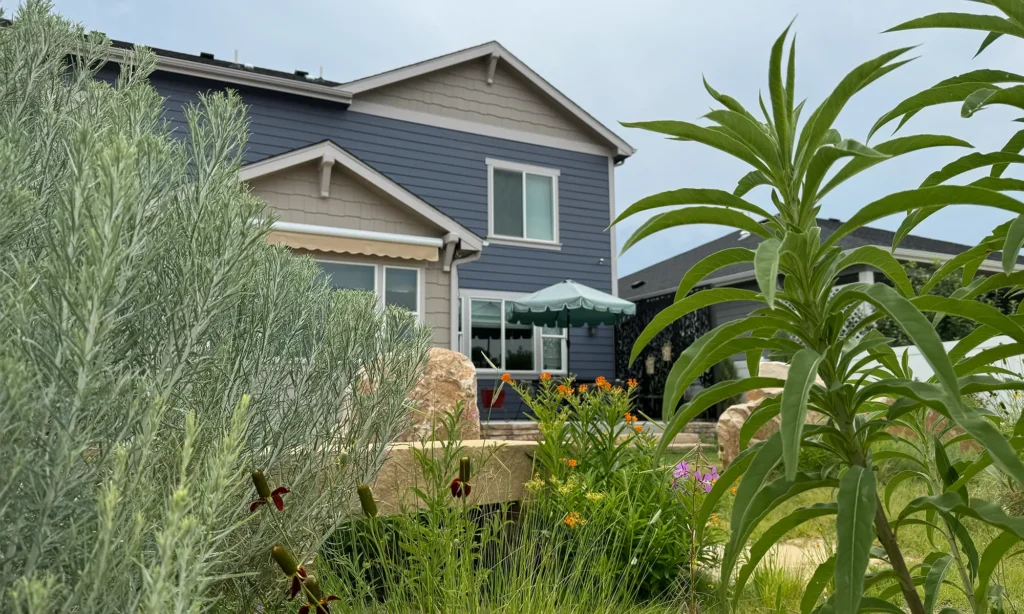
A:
[679,335]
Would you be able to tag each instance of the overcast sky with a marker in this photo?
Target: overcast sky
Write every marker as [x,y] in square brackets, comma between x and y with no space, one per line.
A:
[623,61]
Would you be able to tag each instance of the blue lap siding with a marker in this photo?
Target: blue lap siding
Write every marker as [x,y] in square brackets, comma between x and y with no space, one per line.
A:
[447,169]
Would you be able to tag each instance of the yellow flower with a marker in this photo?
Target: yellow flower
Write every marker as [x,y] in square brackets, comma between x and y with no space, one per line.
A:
[545,376]
[595,497]
[505,377]
[573,519]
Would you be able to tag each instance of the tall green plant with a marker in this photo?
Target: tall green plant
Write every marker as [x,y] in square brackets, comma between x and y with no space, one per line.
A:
[155,350]
[803,321]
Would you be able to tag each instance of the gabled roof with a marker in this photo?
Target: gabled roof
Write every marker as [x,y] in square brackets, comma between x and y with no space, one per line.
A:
[496,52]
[326,152]
[663,277]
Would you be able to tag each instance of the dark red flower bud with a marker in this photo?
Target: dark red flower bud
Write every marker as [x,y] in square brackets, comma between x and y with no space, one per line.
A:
[366,500]
[459,488]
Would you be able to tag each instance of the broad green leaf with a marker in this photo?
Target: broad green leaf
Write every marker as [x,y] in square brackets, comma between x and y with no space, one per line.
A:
[689,304]
[955,263]
[909,200]
[725,481]
[1014,9]
[1000,184]
[707,136]
[691,196]
[816,585]
[989,39]
[892,148]
[936,574]
[766,268]
[962,21]
[990,558]
[802,373]
[774,533]
[777,90]
[976,100]
[710,264]
[875,604]
[951,503]
[767,458]
[828,155]
[895,481]
[750,181]
[1011,96]
[881,259]
[1014,241]
[854,535]
[762,414]
[1014,145]
[825,115]
[727,101]
[751,133]
[968,163]
[705,399]
[698,215]
[976,311]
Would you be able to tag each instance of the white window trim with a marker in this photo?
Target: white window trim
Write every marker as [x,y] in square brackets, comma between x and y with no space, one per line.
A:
[467,296]
[553,173]
[379,275]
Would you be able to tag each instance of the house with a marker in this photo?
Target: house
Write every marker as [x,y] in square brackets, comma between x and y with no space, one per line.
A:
[654,288]
[449,187]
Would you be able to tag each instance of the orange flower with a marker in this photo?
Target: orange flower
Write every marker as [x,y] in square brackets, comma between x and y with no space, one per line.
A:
[582,388]
[565,390]
[629,418]
[601,382]
[572,519]
[631,383]
[545,376]
[638,428]
[572,463]
[505,377]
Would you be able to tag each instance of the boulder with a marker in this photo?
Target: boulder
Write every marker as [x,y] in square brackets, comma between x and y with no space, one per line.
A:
[732,419]
[449,377]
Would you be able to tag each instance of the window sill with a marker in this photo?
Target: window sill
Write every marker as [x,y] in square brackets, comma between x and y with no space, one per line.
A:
[514,242]
[522,375]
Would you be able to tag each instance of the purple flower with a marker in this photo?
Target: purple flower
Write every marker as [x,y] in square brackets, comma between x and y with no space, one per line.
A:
[698,476]
[682,470]
[707,486]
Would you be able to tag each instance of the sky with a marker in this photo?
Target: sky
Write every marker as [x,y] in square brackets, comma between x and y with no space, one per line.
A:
[627,61]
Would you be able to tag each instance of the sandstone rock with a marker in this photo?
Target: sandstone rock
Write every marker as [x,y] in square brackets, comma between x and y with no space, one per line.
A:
[731,421]
[448,377]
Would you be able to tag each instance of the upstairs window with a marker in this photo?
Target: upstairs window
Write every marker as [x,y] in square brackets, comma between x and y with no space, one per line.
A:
[523,202]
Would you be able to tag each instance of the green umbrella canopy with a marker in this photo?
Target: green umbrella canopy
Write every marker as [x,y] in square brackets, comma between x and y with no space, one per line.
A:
[570,304]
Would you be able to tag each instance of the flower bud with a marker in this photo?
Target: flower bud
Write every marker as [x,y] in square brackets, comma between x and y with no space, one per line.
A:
[260,482]
[465,469]
[284,560]
[366,500]
[313,589]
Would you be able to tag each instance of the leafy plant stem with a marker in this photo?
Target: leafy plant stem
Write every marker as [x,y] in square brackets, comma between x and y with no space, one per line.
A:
[892,548]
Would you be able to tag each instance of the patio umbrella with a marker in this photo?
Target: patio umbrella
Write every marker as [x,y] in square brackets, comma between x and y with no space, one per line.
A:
[569,304]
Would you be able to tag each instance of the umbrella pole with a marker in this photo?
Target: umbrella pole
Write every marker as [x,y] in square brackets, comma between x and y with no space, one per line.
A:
[568,342]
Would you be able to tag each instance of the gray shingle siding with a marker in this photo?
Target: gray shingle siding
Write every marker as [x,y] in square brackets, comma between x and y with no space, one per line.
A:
[447,169]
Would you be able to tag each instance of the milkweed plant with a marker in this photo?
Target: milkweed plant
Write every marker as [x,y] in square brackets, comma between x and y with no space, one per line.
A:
[155,351]
[842,370]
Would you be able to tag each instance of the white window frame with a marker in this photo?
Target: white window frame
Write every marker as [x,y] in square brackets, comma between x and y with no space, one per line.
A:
[466,298]
[525,169]
[380,281]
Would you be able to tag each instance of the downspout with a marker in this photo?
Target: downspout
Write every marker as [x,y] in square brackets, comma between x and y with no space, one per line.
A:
[451,266]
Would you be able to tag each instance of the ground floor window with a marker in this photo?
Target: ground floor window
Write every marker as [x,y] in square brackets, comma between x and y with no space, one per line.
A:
[394,285]
[495,345]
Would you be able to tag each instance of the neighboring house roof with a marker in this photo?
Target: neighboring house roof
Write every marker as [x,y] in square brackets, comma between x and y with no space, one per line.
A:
[664,276]
[328,154]
[496,52]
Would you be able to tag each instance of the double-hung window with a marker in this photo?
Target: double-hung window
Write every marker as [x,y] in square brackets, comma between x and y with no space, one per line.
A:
[495,345]
[393,285]
[523,203]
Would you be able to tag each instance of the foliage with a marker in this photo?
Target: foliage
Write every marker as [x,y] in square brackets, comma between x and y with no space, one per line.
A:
[566,548]
[950,328]
[594,455]
[807,324]
[155,350]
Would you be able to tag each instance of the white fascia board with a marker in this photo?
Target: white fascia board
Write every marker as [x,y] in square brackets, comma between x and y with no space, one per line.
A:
[328,151]
[491,49]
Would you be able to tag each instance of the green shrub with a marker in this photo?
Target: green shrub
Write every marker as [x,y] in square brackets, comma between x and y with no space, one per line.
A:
[154,350]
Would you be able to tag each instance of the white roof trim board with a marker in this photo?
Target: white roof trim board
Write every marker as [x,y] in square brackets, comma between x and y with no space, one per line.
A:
[328,152]
[491,49]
